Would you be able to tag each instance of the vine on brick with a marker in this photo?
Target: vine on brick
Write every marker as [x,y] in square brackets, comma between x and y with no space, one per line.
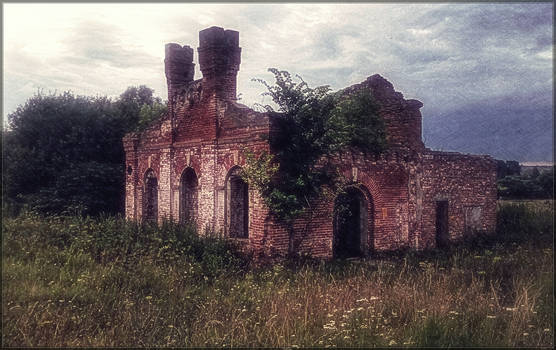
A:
[309,128]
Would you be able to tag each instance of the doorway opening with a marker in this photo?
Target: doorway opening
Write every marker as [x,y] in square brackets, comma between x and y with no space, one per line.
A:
[351,223]
[442,233]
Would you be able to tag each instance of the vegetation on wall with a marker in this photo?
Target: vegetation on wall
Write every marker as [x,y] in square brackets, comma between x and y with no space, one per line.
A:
[309,128]
[64,154]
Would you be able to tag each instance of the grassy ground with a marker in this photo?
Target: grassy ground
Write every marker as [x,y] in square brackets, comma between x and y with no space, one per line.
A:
[104,282]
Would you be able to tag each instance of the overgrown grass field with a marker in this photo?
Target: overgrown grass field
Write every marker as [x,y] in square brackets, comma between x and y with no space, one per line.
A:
[77,281]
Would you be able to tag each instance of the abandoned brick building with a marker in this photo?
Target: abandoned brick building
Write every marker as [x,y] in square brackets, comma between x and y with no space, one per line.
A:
[186,166]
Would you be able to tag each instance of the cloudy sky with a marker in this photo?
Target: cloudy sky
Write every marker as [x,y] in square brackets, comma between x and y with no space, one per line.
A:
[445,55]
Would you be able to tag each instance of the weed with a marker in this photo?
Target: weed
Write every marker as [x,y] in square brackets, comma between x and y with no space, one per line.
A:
[105,282]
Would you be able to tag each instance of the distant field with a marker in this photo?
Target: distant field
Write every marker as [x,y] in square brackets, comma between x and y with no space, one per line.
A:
[103,282]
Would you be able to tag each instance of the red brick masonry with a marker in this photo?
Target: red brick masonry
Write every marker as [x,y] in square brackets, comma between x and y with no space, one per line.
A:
[410,196]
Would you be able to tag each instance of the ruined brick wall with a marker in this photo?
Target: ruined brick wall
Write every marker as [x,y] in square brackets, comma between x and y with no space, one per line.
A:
[384,183]
[402,117]
[197,149]
[468,184]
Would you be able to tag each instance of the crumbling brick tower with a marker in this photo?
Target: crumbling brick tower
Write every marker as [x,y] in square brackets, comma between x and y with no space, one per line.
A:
[186,166]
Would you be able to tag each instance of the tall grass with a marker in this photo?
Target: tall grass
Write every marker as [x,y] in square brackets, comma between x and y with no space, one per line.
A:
[105,282]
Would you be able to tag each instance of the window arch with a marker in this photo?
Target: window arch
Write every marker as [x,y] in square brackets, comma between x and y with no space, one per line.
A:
[150,196]
[188,195]
[237,205]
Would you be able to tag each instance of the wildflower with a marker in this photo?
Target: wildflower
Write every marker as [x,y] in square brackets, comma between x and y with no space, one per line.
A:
[530,326]
[454,312]
[491,316]
[374,298]
[481,273]
[496,258]
[148,297]
[392,342]
[525,334]
[512,309]
[477,256]
[546,329]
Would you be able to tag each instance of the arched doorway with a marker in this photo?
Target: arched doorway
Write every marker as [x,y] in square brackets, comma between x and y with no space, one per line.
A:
[352,224]
[188,195]
[150,197]
[237,205]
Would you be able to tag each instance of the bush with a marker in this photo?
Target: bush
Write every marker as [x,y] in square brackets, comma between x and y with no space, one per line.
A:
[537,185]
[110,239]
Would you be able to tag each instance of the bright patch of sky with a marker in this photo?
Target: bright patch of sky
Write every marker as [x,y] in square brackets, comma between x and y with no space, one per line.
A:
[445,55]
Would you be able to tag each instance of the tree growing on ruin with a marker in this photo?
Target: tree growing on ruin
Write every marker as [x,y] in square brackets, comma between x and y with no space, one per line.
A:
[311,126]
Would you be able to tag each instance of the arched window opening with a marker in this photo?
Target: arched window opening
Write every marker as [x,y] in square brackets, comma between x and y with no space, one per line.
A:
[189,195]
[150,197]
[237,205]
[352,227]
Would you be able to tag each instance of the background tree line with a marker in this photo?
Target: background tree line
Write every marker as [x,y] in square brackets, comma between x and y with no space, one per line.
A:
[63,154]
[515,183]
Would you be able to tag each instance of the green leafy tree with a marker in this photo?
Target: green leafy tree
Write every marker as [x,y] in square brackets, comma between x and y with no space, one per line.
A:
[139,108]
[309,127]
[537,185]
[64,154]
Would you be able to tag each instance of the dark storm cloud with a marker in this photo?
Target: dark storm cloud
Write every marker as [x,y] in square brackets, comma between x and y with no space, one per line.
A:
[483,26]
[461,53]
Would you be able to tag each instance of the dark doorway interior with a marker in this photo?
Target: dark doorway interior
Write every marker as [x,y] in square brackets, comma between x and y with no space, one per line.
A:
[188,203]
[349,224]
[239,207]
[150,209]
[442,235]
